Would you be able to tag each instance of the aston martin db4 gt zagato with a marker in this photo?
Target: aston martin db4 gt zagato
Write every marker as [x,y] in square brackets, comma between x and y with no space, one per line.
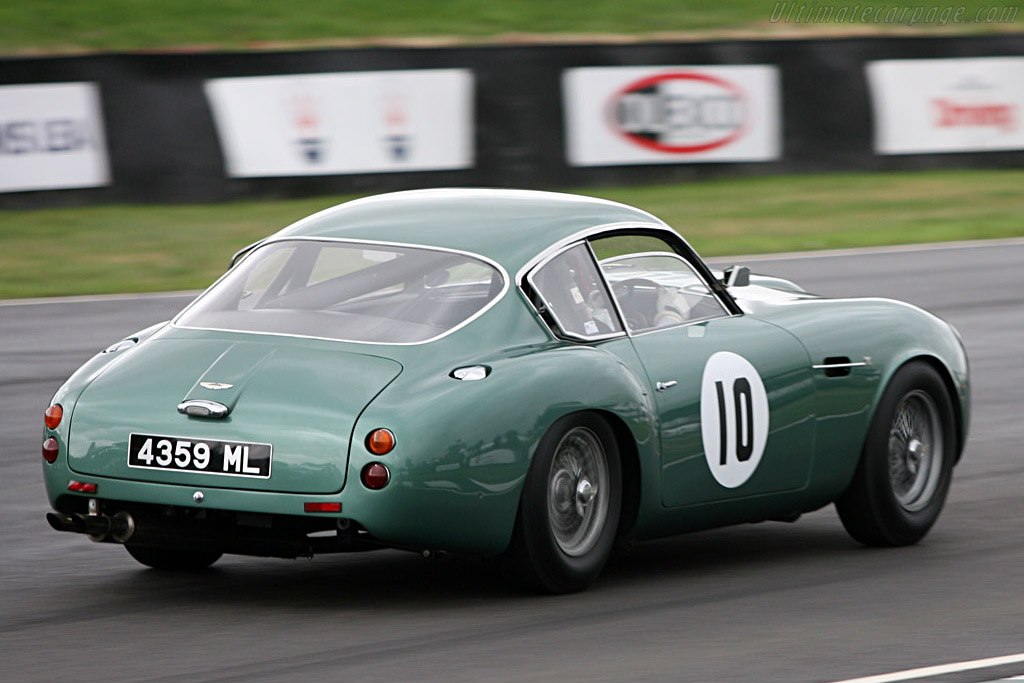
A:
[524,375]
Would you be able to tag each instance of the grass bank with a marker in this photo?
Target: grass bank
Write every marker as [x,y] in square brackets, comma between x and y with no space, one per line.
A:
[110,249]
[62,26]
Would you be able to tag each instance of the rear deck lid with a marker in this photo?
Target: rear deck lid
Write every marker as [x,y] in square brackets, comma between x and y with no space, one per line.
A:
[290,406]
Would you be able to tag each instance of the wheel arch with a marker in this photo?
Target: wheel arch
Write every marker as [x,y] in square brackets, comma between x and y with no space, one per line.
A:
[870,508]
[435,465]
[629,457]
[956,397]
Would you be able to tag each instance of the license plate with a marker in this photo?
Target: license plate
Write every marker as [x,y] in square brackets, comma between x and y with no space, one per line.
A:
[226,458]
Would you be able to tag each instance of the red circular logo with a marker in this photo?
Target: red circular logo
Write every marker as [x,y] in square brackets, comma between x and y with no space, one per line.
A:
[680,112]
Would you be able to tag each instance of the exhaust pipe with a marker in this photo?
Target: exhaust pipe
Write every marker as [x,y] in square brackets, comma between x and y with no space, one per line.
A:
[122,526]
[150,530]
[118,528]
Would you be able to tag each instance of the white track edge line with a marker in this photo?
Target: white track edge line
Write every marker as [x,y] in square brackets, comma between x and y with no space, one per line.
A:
[939,670]
[89,298]
[868,251]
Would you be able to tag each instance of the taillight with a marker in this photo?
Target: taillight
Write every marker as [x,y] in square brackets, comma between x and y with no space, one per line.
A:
[53,415]
[82,486]
[50,450]
[375,476]
[380,441]
[322,507]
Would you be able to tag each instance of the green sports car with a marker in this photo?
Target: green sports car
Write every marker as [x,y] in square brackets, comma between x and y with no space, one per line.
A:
[525,375]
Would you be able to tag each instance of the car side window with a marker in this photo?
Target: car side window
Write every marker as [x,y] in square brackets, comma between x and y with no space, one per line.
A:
[573,293]
[656,290]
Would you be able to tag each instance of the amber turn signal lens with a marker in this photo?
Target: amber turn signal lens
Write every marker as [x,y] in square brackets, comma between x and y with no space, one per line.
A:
[53,415]
[380,441]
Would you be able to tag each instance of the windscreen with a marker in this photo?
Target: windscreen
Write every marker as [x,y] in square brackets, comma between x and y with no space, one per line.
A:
[348,291]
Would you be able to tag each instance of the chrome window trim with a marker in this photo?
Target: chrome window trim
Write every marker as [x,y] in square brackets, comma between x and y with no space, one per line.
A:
[561,328]
[669,234]
[608,289]
[506,285]
[552,250]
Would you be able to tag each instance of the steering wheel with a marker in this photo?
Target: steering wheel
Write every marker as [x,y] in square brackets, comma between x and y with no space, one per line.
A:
[624,291]
[624,288]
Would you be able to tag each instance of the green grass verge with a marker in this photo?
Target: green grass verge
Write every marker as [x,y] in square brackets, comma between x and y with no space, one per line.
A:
[113,249]
[62,25]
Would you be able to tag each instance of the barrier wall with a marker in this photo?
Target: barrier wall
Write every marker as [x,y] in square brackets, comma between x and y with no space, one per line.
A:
[162,142]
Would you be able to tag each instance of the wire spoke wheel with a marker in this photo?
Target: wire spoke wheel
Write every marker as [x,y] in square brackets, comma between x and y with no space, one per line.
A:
[569,508]
[915,450]
[577,501]
[906,464]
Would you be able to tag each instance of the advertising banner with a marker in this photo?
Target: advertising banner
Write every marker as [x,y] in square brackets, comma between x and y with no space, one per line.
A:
[926,106]
[671,114]
[337,123]
[51,137]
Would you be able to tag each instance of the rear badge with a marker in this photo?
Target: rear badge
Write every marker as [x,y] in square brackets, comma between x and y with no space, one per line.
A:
[214,386]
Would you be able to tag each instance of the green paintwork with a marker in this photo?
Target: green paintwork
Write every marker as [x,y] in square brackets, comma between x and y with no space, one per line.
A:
[285,392]
[464,447]
[680,353]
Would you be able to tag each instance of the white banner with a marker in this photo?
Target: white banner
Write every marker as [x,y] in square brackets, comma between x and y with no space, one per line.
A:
[671,114]
[924,106]
[325,124]
[51,137]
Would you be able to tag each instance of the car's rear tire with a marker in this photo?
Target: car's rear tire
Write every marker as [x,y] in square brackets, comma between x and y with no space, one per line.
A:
[569,509]
[173,559]
[906,466]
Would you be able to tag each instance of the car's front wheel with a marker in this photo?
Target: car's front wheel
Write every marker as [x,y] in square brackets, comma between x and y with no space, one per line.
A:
[172,559]
[905,468]
[569,509]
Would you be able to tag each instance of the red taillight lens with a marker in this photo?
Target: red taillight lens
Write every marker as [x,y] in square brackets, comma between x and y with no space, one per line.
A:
[50,450]
[82,486]
[380,441]
[375,476]
[53,415]
[323,507]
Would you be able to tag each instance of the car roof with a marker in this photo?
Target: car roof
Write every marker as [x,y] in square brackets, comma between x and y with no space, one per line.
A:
[508,226]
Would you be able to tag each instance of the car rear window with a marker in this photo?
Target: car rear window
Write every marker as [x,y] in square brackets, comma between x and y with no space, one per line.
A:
[348,291]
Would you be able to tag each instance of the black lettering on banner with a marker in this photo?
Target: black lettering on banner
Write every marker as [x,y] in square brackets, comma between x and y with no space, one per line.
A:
[61,135]
[743,403]
[44,136]
[18,137]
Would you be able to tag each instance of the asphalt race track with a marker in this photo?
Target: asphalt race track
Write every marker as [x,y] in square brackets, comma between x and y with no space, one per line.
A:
[766,602]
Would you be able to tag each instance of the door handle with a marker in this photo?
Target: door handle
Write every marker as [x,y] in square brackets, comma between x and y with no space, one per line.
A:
[662,386]
[840,366]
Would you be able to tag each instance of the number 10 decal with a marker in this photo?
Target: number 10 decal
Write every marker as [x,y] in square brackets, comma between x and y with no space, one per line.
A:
[734,418]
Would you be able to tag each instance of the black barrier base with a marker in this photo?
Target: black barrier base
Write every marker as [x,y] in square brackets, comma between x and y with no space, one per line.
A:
[163,145]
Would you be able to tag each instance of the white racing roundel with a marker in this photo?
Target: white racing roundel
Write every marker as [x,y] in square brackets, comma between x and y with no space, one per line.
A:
[733,418]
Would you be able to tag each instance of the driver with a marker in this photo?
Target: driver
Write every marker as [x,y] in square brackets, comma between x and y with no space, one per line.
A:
[672,307]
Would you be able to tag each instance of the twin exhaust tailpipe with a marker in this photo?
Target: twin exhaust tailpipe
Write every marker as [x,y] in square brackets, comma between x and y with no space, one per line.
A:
[117,528]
